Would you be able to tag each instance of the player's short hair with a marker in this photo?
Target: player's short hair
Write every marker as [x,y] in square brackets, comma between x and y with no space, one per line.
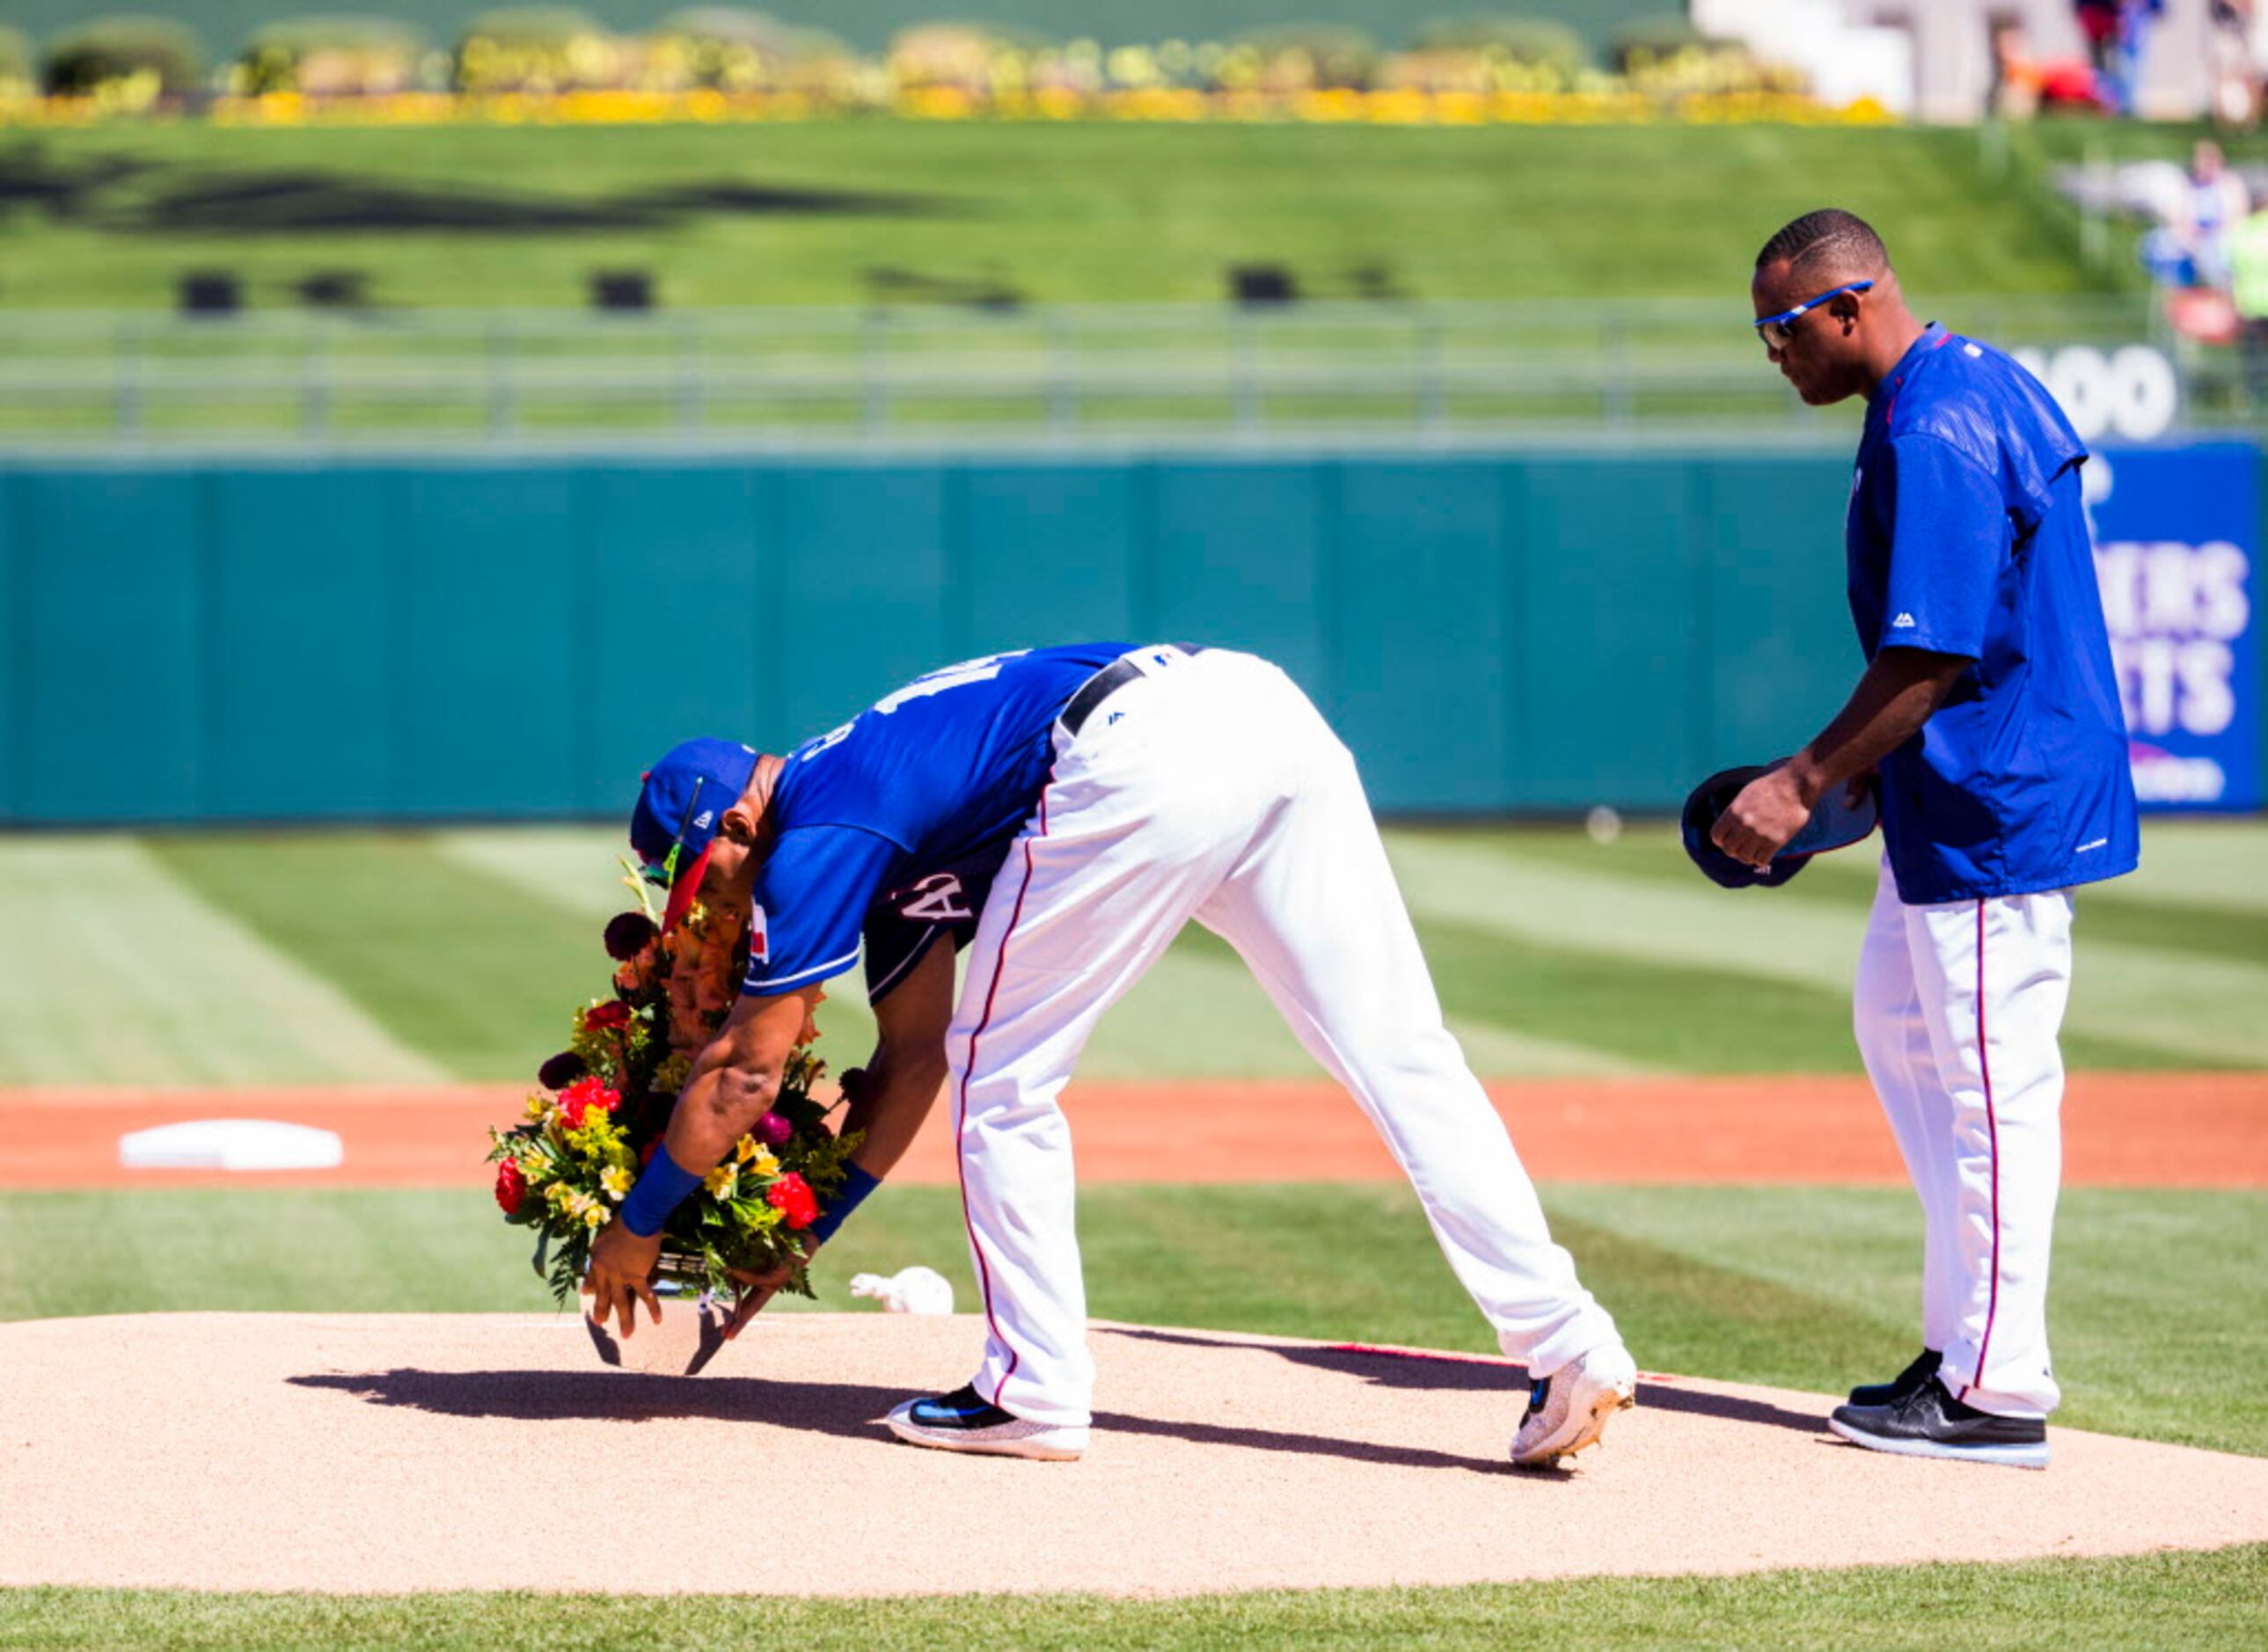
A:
[1829,237]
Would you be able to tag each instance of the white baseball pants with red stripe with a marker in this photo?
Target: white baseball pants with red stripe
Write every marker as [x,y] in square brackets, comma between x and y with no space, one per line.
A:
[1210,789]
[1957,1008]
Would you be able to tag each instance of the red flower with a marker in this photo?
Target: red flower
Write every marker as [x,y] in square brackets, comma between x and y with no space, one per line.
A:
[613,1013]
[580,1098]
[511,1187]
[791,1196]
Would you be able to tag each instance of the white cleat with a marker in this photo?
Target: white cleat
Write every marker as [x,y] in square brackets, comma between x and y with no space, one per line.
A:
[1568,1410]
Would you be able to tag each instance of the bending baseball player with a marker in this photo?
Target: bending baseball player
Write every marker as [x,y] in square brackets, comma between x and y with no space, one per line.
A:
[1120,793]
[1990,705]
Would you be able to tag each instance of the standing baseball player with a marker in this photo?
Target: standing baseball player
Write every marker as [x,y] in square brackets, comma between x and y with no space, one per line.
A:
[1130,789]
[1990,709]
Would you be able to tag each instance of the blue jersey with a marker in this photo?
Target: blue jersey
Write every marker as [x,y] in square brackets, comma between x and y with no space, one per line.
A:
[1966,536]
[931,784]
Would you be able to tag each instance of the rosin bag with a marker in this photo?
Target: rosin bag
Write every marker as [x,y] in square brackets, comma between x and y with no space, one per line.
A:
[1838,821]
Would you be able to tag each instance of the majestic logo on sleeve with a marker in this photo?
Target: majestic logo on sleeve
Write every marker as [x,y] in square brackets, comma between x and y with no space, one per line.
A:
[937,898]
[1903,622]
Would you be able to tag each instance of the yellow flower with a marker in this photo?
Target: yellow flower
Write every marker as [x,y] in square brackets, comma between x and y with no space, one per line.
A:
[597,1216]
[538,1108]
[616,1181]
[745,1148]
[722,1181]
[765,1161]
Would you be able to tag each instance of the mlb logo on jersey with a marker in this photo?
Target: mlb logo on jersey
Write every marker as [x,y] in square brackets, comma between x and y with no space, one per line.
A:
[760,946]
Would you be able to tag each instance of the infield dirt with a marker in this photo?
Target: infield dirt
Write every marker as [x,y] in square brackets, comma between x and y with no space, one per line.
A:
[2120,1130]
[383,1453]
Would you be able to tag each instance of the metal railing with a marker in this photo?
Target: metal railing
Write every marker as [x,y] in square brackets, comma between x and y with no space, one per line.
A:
[1070,372]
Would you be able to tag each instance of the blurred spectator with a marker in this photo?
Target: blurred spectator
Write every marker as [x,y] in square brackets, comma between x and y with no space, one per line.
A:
[2247,266]
[2098,26]
[2023,84]
[2214,203]
[2234,94]
[2117,32]
[2015,93]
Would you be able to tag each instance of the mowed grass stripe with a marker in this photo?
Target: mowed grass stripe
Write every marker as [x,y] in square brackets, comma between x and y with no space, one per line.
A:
[1201,1002]
[1198,1013]
[2166,1009]
[2150,1307]
[117,971]
[1686,1018]
[573,869]
[2210,1599]
[479,976]
[2123,911]
[2221,865]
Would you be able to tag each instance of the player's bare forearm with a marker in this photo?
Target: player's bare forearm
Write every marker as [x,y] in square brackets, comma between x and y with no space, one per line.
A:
[1896,696]
[734,1080]
[1902,688]
[893,1094]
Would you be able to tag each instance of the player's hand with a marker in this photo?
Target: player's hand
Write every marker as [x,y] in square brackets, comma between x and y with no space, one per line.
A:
[757,1288]
[621,1275]
[1769,811]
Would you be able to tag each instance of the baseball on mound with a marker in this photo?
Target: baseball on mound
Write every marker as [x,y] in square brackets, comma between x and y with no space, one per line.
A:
[909,1290]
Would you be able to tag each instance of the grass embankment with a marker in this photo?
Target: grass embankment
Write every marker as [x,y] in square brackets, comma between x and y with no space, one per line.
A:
[825,212]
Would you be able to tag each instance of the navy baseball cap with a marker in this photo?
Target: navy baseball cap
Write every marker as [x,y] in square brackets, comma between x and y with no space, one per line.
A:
[673,827]
[1839,821]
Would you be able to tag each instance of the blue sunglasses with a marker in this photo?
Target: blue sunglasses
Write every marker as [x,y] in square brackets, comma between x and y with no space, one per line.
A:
[663,873]
[1779,329]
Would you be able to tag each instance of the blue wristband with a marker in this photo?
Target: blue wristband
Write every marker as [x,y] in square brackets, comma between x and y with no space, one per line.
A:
[663,1187]
[856,1183]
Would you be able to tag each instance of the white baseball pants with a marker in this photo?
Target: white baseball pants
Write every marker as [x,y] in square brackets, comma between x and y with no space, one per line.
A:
[1958,1007]
[1210,789]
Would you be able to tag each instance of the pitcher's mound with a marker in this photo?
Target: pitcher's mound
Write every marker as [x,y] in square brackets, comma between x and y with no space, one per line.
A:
[368,1453]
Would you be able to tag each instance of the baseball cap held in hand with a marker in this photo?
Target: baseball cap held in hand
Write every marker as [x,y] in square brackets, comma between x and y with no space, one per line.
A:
[1839,821]
[674,825]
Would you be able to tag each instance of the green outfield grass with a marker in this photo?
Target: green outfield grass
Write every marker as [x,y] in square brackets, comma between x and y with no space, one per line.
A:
[232,958]
[1083,211]
[2188,1600]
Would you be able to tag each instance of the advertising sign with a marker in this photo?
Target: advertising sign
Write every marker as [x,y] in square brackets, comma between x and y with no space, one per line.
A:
[2177,549]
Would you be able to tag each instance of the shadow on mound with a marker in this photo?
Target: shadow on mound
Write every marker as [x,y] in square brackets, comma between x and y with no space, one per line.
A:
[1416,1371]
[848,1411]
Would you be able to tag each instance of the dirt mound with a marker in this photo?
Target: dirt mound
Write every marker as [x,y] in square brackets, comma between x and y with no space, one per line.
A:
[346,1454]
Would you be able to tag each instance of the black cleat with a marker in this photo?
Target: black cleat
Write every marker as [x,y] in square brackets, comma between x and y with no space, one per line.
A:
[1930,1422]
[1906,1382]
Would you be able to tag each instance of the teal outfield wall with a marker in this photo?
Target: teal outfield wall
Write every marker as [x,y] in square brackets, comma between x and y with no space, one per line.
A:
[246,640]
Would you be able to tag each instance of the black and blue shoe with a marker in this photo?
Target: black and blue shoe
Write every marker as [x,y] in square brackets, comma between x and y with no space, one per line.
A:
[1931,1422]
[964,1420]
